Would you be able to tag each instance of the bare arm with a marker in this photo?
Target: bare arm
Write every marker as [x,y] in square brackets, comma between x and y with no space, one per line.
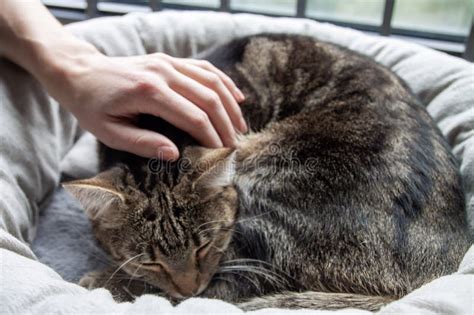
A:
[106,93]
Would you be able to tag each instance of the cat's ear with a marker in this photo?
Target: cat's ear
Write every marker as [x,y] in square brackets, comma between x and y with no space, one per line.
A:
[97,195]
[215,168]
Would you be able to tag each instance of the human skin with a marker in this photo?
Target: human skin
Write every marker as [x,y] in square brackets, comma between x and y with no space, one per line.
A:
[107,93]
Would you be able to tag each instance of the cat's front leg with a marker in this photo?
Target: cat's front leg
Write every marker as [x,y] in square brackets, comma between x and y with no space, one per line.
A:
[92,280]
[122,286]
[228,287]
[220,289]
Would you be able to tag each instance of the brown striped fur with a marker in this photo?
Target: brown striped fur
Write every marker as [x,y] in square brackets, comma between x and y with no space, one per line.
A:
[345,193]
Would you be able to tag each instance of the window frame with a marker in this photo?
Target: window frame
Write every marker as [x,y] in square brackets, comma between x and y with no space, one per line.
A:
[461,46]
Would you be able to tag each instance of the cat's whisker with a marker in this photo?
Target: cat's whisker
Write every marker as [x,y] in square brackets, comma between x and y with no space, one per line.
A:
[121,266]
[221,279]
[117,278]
[252,281]
[269,275]
[221,228]
[220,250]
[128,292]
[254,216]
[133,275]
[255,269]
[260,262]
[249,260]
[207,223]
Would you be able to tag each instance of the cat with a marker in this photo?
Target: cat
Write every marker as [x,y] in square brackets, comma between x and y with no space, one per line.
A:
[344,194]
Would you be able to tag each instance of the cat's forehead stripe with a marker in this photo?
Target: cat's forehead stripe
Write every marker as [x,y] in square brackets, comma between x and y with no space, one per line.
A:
[150,181]
[164,246]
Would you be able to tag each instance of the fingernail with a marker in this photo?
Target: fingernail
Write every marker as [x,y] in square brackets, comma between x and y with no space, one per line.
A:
[240,95]
[233,143]
[243,125]
[220,144]
[167,153]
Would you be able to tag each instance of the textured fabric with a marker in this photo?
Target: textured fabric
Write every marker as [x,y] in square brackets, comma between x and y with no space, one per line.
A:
[36,136]
[65,241]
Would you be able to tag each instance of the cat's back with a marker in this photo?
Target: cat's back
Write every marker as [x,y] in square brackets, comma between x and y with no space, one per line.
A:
[375,202]
[286,74]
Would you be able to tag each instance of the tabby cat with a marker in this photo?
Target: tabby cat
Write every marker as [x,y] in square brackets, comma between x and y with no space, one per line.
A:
[344,194]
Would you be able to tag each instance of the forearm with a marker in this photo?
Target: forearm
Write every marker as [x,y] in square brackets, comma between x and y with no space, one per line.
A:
[107,93]
[32,38]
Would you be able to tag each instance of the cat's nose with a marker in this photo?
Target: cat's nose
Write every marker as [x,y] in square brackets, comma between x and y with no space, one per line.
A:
[187,284]
[188,289]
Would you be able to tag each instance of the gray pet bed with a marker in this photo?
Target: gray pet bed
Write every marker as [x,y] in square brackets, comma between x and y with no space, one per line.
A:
[63,239]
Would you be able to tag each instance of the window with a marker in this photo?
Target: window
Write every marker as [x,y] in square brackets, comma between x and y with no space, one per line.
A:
[121,7]
[73,4]
[278,7]
[450,17]
[442,24]
[200,3]
[356,11]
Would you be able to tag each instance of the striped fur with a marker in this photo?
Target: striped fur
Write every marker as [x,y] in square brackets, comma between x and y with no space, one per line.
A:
[344,194]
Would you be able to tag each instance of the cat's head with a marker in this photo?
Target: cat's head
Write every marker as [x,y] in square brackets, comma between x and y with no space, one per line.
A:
[168,225]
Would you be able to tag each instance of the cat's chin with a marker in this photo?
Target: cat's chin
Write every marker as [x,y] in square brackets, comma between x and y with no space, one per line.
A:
[175,294]
[178,296]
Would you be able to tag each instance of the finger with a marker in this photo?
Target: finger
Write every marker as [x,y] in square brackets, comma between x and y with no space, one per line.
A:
[214,82]
[183,114]
[236,92]
[141,142]
[210,102]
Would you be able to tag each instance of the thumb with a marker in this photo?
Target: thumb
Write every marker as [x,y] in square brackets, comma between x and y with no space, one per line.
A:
[141,142]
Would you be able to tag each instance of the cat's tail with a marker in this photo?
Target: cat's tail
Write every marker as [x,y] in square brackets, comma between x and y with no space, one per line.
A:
[316,300]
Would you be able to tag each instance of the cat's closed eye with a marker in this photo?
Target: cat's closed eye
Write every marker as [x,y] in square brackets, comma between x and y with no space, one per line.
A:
[203,250]
[152,264]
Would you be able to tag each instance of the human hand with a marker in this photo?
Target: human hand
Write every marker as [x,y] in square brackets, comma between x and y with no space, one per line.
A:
[106,93]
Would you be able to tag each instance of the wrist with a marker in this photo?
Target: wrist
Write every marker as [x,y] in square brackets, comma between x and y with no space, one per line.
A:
[59,57]
[57,64]
[32,38]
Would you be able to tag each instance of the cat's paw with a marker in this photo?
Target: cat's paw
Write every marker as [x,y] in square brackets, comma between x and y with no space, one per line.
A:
[92,280]
[122,288]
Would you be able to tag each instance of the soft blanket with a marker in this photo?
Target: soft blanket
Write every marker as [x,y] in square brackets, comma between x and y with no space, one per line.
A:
[39,141]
